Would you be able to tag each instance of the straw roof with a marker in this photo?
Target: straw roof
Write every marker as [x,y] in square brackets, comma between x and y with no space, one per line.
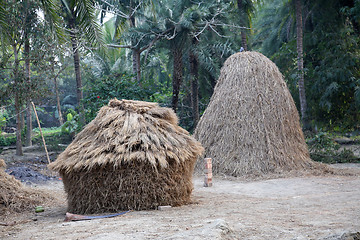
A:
[131,156]
[251,125]
[127,131]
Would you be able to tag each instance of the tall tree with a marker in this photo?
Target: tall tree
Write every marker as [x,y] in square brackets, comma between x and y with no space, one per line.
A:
[245,11]
[194,72]
[18,103]
[177,54]
[80,18]
[137,28]
[300,62]
[17,20]
[190,21]
[29,22]
[12,33]
[243,22]
[56,87]
[330,41]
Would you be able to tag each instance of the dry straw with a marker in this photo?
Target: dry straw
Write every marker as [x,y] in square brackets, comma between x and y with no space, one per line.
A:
[14,197]
[133,155]
[251,125]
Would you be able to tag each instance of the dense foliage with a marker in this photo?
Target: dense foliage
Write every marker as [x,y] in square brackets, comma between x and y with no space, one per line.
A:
[116,85]
[170,52]
[331,60]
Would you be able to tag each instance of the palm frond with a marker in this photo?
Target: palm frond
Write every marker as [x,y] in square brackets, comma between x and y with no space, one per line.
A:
[51,11]
[3,21]
[87,23]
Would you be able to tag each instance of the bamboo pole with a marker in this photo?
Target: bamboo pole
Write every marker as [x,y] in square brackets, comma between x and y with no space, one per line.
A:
[42,136]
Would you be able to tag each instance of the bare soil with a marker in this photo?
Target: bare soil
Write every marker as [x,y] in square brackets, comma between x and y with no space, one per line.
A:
[303,207]
[309,207]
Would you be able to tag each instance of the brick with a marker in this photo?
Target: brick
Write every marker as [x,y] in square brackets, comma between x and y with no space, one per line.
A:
[208,172]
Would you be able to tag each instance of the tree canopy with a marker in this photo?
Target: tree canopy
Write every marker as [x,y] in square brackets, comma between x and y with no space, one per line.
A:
[78,54]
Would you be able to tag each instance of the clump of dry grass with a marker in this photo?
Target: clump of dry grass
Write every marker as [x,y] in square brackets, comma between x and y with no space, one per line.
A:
[251,125]
[14,197]
[133,155]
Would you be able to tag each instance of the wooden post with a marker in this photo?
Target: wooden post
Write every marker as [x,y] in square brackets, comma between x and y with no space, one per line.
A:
[42,136]
[208,172]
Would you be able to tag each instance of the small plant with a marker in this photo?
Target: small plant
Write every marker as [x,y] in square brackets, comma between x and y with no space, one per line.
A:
[2,122]
[3,116]
[323,148]
[71,124]
[7,140]
[55,141]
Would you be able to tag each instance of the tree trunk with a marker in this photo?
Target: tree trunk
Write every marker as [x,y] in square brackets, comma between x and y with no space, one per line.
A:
[243,40]
[61,121]
[135,51]
[28,141]
[300,63]
[177,77]
[136,64]
[22,117]
[19,151]
[194,71]
[243,24]
[76,55]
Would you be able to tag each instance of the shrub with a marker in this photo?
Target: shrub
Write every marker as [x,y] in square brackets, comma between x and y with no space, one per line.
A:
[324,149]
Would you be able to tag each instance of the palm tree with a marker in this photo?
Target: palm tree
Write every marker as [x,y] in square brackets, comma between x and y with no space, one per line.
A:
[195,24]
[137,28]
[245,11]
[31,15]
[272,38]
[300,62]
[194,72]
[80,17]
[178,17]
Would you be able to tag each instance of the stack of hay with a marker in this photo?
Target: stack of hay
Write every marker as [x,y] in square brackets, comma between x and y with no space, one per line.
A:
[251,125]
[133,155]
[14,197]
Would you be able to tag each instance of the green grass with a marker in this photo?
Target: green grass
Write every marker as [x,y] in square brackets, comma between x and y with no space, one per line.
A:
[53,137]
[48,131]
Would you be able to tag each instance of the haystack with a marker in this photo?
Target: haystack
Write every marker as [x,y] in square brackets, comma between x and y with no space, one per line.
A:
[14,197]
[133,155]
[251,125]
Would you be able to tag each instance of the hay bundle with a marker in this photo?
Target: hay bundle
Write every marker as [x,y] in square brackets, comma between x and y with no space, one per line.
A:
[251,125]
[14,197]
[133,155]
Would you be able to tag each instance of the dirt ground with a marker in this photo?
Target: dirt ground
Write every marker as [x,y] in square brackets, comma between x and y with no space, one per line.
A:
[315,207]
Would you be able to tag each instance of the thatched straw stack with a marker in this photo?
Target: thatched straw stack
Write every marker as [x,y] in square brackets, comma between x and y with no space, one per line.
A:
[251,125]
[133,155]
[14,197]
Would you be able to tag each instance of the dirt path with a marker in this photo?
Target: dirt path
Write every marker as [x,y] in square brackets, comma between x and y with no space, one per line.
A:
[287,208]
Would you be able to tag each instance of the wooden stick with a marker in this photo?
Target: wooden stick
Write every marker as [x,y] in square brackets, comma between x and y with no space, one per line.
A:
[74,217]
[42,136]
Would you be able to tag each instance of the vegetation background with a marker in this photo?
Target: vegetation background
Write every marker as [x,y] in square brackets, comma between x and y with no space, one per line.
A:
[70,57]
